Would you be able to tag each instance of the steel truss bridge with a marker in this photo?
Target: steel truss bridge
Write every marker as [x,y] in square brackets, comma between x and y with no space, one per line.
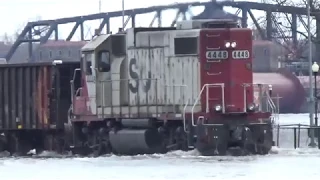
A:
[41,31]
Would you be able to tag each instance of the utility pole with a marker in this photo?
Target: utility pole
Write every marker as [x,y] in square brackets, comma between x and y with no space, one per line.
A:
[311,96]
[122,15]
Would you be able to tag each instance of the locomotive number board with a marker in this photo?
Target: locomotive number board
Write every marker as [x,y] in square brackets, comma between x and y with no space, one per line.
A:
[240,54]
[219,55]
[215,55]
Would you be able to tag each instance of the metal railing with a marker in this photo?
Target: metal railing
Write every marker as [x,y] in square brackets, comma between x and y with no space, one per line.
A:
[123,95]
[207,86]
[72,86]
[270,104]
[294,135]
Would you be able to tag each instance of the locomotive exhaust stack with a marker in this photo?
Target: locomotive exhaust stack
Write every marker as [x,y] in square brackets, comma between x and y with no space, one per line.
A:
[154,90]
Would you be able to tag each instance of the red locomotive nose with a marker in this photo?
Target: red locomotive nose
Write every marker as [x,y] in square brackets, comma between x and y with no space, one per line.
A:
[225,56]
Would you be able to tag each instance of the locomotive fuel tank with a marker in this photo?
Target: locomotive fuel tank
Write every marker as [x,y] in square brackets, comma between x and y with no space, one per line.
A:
[285,85]
[135,141]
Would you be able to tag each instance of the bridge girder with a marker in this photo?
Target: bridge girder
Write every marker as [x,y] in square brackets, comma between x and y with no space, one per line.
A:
[29,33]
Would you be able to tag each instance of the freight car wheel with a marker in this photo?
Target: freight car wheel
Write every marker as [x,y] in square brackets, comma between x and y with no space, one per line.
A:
[54,142]
[2,142]
[18,146]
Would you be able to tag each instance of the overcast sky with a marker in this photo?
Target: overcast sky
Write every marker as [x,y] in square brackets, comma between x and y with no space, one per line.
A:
[15,13]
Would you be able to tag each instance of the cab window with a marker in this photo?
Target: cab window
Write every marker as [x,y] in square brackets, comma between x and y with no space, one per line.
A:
[87,62]
[104,61]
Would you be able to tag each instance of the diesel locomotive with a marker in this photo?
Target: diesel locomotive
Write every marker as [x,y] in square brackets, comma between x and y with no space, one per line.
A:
[145,90]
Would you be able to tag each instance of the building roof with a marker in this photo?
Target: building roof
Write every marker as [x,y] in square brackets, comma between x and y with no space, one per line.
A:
[63,43]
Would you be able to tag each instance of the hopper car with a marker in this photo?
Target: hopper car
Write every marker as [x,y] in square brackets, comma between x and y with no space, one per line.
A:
[145,90]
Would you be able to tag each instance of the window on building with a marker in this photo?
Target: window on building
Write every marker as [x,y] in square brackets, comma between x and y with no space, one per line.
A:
[186,45]
[50,54]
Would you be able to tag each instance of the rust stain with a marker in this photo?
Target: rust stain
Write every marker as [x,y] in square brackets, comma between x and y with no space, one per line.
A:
[41,98]
[44,96]
[38,96]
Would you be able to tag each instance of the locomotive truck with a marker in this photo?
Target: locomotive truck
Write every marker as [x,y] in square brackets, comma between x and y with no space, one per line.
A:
[152,90]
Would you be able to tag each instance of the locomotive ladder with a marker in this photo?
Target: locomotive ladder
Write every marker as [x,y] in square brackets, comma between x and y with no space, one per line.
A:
[270,105]
[273,108]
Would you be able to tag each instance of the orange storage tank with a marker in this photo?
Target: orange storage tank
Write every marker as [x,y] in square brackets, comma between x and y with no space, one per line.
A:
[285,85]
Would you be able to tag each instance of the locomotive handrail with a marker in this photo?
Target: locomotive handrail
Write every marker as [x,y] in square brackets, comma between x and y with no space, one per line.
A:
[245,96]
[184,116]
[260,84]
[78,91]
[272,106]
[181,87]
[72,83]
[119,80]
[176,85]
[270,103]
[207,86]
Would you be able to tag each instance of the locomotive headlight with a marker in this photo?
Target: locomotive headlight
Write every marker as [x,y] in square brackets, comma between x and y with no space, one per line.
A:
[227,44]
[251,107]
[233,44]
[218,108]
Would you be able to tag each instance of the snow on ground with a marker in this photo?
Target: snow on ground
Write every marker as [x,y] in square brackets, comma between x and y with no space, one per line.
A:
[281,163]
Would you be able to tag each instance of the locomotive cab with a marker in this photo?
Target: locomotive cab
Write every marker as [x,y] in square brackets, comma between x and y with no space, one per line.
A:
[100,63]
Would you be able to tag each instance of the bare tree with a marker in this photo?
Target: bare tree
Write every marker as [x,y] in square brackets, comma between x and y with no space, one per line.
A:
[11,38]
[284,26]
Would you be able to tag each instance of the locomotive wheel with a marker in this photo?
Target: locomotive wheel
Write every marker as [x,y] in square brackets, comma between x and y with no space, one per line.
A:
[181,139]
[249,143]
[99,148]
[262,139]
[265,142]
[97,144]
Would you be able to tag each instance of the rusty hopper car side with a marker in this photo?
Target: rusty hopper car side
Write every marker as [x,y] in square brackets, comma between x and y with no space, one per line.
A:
[34,98]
